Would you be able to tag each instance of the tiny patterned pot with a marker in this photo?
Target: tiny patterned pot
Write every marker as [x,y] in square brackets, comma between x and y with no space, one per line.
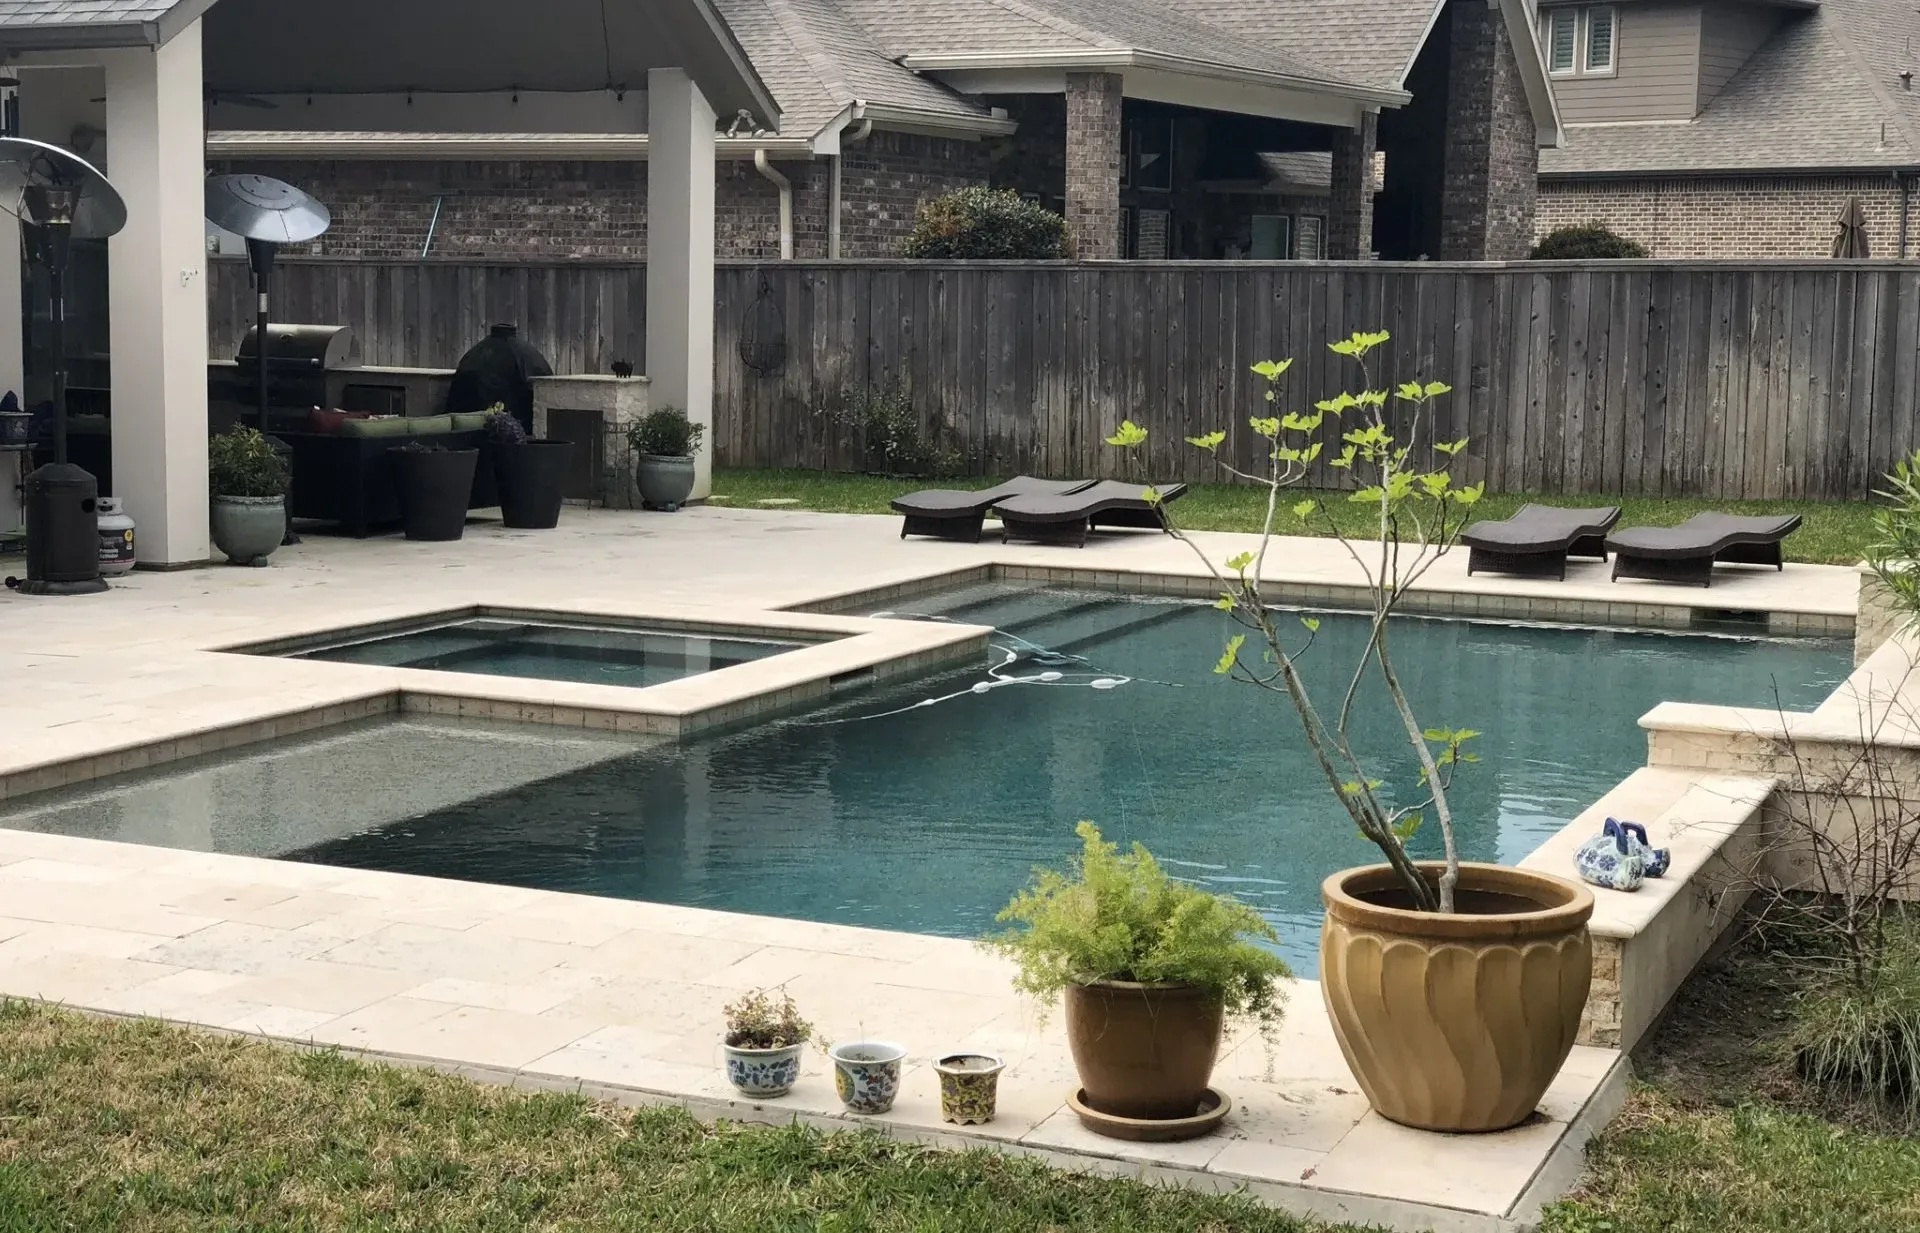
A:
[866,1073]
[763,1072]
[969,1083]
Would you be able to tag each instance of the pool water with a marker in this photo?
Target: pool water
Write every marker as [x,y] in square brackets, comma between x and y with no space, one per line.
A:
[552,651]
[923,806]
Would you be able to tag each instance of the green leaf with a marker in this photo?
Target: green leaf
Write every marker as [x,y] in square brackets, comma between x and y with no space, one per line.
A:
[1365,496]
[1229,656]
[1407,827]
[1226,602]
[1437,734]
[1128,435]
[1450,448]
[1238,564]
[1271,370]
[1267,426]
[1209,442]
[1303,508]
[1312,624]
[1437,388]
[1411,391]
[1150,495]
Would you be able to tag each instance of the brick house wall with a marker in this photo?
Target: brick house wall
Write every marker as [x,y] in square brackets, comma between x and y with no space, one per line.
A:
[1492,157]
[533,210]
[1734,219]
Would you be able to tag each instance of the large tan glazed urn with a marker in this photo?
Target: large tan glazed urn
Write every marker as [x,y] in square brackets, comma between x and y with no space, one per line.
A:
[1456,1022]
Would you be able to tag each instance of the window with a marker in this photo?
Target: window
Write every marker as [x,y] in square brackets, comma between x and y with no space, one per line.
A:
[1580,41]
[1307,246]
[1272,237]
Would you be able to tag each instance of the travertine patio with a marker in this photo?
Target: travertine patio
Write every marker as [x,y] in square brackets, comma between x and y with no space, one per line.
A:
[622,998]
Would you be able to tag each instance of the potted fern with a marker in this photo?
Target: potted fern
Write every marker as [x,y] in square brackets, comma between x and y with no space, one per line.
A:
[1455,988]
[248,482]
[664,443]
[1150,969]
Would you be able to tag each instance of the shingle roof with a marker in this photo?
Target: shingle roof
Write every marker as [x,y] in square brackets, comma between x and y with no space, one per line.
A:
[934,27]
[818,62]
[14,13]
[1370,41]
[1823,93]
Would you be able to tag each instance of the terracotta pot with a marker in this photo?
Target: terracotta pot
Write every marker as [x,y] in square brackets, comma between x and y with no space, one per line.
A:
[1456,1022]
[1143,1051]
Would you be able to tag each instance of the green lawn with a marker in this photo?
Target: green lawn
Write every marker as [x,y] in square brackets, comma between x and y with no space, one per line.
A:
[1833,533]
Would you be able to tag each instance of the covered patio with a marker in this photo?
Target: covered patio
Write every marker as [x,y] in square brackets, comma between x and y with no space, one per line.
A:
[130,86]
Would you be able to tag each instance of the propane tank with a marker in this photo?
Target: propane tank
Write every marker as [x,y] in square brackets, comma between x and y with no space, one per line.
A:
[116,537]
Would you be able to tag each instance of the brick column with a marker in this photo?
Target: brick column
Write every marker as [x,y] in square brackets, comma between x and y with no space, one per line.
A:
[1350,205]
[1093,164]
[1492,157]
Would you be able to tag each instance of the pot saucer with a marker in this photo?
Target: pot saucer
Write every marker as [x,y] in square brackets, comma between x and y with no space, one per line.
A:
[1214,1107]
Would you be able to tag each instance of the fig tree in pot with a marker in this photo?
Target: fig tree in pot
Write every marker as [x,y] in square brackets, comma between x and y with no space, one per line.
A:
[764,1038]
[531,472]
[248,480]
[435,483]
[1150,969]
[1455,988]
[664,443]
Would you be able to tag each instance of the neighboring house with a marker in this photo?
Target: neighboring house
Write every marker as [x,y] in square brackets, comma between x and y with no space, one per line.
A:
[1734,128]
[1161,128]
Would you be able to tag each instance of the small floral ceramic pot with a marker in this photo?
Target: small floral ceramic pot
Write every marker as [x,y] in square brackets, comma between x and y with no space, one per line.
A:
[968,1085]
[867,1074]
[763,1072]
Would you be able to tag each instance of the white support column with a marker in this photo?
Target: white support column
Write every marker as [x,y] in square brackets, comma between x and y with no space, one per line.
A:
[158,296]
[13,343]
[680,173]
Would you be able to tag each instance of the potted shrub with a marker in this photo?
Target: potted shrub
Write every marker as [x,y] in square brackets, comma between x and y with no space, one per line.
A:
[1455,988]
[435,483]
[664,443]
[1149,967]
[530,471]
[248,480]
[763,1042]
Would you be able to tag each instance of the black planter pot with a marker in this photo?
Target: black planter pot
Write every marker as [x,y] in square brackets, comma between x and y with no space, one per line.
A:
[531,476]
[434,487]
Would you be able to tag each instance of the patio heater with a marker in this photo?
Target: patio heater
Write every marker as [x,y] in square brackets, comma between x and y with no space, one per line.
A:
[266,213]
[58,197]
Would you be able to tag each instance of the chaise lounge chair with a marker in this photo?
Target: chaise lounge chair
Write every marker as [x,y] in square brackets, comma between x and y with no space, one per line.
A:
[1538,539]
[1069,517]
[947,514]
[1688,552]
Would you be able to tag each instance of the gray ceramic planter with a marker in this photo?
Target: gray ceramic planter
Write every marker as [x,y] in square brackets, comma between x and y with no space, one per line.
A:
[665,481]
[248,529]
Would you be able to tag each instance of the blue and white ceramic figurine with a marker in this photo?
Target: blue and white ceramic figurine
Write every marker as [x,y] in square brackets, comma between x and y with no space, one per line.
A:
[1621,857]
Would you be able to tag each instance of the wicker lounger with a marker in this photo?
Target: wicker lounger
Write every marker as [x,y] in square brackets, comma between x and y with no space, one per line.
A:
[1688,552]
[948,514]
[1538,539]
[1067,519]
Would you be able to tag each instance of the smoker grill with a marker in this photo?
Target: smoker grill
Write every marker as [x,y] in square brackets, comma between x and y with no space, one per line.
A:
[298,357]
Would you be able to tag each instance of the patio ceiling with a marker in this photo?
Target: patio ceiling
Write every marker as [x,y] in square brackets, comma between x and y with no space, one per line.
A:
[474,46]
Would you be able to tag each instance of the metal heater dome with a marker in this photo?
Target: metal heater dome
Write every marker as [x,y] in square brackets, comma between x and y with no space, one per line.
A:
[262,208]
[97,212]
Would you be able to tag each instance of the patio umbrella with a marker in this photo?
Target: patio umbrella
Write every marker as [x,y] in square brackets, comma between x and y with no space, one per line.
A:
[1851,240]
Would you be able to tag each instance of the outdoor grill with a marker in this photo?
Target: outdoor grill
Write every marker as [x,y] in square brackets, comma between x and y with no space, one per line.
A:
[298,358]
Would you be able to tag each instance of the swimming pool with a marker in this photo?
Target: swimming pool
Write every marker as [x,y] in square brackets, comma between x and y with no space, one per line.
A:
[922,806]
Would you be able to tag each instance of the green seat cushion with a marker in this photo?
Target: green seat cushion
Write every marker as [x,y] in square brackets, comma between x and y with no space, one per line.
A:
[429,425]
[469,422]
[387,426]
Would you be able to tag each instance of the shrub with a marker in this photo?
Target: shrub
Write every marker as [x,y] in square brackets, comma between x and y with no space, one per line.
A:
[1586,242]
[884,427]
[240,463]
[757,1021]
[1862,1036]
[1121,917]
[983,224]
[667,433]
[503,428]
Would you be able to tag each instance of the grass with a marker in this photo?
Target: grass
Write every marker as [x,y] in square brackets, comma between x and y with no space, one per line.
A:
[1833,533]
[136,1127]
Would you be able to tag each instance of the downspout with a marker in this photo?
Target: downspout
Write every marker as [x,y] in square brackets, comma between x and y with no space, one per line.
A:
[786,202]
[1905,180]
[862,129]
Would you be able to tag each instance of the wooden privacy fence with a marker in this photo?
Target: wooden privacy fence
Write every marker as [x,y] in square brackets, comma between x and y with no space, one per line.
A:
[1697,379]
